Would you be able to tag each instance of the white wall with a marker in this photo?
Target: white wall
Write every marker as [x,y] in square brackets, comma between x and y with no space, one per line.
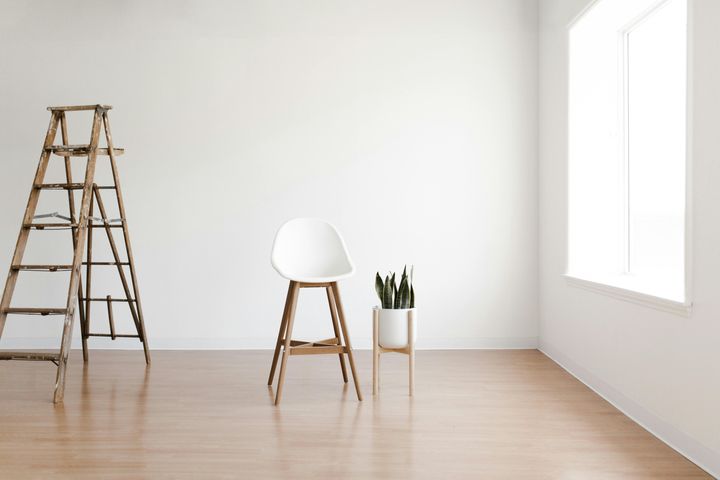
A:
[659,367]
[412,125]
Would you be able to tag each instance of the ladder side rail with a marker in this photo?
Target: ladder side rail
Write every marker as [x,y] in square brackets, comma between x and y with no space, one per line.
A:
[126,236]
[71,202]
[88,274]
[28,217]
[77,258]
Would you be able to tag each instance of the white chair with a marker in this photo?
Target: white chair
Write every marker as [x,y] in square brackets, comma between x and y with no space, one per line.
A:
[311,254]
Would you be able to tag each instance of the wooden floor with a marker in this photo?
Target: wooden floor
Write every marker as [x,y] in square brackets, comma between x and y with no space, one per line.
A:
[204,415]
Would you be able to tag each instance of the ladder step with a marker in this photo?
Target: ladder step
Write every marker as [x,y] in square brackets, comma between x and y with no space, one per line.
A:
[50,226]
[66,226]
[34,311]
[76,108]
[109,225]
[107,263]
[80,150]
[50,357]
[68,186]
[59,186]
[124,300]
[108,335]
[42,268]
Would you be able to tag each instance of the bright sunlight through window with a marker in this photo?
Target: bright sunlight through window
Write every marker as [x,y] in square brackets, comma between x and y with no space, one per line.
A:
[627,146]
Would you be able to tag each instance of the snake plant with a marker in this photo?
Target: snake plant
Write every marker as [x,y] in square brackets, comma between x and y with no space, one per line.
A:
[393,296]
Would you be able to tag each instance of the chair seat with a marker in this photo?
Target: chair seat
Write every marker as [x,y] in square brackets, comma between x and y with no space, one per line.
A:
[315,278]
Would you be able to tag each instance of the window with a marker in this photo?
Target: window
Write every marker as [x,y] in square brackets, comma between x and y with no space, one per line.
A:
[627,146]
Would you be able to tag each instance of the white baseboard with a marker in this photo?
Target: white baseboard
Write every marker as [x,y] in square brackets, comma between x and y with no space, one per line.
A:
[696,452]
[258,343]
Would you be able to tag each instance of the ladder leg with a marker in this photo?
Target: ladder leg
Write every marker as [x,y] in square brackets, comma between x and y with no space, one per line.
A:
[295,288]
[77,261]
[351,359]
[62,362]
[336,329]
[126,238]
[84,330]
[88,273]
[29,214]
[71,205]
[281,334]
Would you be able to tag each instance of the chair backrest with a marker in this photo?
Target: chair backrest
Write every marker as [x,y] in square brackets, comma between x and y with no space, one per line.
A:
[310,250]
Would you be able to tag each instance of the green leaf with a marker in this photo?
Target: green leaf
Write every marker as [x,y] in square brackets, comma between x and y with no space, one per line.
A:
[403,298]
[379,286]
[412,296]
[387,297]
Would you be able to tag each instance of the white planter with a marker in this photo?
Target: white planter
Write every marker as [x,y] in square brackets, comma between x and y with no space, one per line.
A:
[393,327]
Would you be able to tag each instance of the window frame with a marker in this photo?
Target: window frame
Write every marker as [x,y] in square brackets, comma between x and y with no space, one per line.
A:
[616,289]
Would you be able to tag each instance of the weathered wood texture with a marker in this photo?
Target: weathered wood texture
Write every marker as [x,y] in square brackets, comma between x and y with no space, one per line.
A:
[77,108]
[81,225]
[81,150]
[80,236]
[136,306]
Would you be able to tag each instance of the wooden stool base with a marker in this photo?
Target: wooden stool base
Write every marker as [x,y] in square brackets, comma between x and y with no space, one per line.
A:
[329,346]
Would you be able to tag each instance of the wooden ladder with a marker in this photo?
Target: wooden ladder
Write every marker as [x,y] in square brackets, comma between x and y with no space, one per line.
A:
[81,224]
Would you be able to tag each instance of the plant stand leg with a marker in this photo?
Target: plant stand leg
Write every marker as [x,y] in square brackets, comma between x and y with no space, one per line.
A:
[376,351]
[411,352]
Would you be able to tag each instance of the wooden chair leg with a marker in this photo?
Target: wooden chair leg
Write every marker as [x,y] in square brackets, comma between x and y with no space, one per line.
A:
[281,334]
[336,329]
[294,287]
[343,326]
[376,351]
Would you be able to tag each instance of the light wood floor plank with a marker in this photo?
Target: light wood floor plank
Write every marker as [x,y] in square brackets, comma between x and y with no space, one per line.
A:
[203,415]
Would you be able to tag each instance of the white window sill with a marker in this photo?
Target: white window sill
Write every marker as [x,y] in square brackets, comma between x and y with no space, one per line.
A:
[612,289]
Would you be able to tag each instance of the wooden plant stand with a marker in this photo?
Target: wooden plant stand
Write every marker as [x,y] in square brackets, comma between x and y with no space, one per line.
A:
[409,350]
[81,223]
